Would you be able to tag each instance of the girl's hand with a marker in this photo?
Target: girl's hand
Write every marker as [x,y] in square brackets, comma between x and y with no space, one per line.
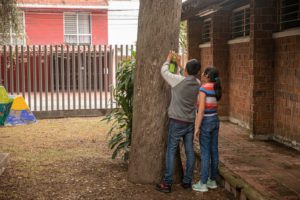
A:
[196,135]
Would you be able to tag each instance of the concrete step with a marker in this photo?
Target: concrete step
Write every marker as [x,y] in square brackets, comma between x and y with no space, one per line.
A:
[3,160]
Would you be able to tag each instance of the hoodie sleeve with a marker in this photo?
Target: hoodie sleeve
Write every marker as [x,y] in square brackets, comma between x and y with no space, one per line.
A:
[172,79]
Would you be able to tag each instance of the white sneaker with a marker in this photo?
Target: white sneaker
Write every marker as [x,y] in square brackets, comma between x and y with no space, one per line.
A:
[211,184]
[200,187]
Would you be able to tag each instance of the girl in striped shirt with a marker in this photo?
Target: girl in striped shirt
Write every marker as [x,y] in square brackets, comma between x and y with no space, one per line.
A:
[207,123]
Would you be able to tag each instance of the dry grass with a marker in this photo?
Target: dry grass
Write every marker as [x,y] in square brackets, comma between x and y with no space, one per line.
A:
[69,159]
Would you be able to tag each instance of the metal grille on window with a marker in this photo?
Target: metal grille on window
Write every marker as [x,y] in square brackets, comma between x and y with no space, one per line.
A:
[240,22]
[289,14]
[206,30]
[77,28]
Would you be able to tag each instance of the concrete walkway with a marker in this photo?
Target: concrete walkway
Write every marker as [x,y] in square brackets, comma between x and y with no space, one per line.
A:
[269,169]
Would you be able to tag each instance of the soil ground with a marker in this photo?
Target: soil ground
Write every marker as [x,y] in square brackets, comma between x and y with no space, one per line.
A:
[69,159]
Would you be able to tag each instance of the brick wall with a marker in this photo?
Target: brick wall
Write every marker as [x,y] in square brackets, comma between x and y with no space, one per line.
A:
[287,88]
[220,36]
[239,88]
[262,26]
[194,37]
[205,58]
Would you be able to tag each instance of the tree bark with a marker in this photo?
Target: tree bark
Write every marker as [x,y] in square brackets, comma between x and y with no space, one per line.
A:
[158,32]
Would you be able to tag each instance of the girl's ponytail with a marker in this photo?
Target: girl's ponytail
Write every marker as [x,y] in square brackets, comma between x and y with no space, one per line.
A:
[213,75]
[218,88]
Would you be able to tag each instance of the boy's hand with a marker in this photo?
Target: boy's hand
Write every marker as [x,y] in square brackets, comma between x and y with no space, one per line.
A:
[169,57]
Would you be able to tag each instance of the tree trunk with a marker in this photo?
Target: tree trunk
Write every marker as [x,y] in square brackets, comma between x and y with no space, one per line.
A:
[158,32]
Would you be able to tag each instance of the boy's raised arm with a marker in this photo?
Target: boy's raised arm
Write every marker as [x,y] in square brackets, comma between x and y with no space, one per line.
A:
[172,79]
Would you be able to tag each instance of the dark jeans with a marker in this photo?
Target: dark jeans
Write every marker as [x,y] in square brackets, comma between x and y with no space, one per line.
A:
[176,131]
[208,139]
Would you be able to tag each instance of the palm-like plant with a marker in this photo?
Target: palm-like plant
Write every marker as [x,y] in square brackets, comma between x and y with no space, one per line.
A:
[121,117]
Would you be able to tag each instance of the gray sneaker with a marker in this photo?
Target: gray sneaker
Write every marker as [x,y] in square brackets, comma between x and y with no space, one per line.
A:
[211,184]
[200,187]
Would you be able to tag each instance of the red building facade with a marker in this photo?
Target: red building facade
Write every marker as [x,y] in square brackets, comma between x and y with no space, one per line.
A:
[64,22]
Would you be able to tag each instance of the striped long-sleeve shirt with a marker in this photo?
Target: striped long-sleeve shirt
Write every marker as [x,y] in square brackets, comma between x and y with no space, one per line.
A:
[211,105]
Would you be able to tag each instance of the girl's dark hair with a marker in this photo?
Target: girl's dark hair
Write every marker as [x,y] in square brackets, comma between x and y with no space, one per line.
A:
[213,74]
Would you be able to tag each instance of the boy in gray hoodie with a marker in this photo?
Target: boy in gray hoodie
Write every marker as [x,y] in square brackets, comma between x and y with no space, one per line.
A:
[182,113]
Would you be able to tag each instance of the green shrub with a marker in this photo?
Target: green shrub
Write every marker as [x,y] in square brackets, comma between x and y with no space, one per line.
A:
[121,117]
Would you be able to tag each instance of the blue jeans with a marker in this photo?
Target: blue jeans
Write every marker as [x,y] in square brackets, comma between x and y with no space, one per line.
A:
[208,139]
[176,131]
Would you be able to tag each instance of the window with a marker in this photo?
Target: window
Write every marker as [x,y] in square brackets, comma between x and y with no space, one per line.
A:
[289,12]
[77,28]
[15,37]
[240,26]
[206,30]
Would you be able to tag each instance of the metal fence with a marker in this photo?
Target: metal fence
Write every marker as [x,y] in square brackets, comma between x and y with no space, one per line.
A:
[62,77]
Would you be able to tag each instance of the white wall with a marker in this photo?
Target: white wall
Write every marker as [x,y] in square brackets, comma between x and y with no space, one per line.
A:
[122,21]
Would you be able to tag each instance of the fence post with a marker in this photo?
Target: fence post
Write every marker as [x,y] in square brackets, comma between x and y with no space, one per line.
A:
[95,77]
[22,71]
[46,75]
[40,78]
[11,70]
[62,71]
[17,70]
[101,75]
[29,76]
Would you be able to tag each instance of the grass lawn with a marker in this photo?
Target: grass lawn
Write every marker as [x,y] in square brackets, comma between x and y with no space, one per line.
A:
[69,159]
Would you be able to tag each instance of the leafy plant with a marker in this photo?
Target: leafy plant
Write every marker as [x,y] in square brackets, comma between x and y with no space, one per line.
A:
[121,117]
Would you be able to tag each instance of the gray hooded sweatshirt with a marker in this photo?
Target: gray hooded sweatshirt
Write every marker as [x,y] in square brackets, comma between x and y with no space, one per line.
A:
[184,95]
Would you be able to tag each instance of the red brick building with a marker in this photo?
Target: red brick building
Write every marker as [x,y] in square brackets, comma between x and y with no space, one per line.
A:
[255,45]
[62,21]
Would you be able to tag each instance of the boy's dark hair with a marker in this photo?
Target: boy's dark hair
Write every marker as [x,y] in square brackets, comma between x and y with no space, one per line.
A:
[193,67]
